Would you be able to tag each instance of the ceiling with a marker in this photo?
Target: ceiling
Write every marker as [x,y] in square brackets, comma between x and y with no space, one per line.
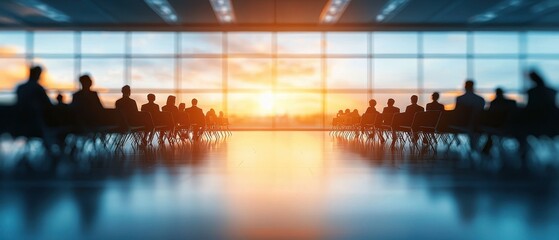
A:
[279,15]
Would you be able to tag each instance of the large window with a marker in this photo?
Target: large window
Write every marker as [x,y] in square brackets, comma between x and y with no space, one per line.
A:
[280,79]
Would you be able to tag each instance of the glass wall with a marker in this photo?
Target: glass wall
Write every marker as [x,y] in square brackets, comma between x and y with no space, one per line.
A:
[279,79]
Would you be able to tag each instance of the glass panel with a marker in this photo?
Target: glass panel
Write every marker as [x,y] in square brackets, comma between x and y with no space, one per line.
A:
[12,43]
[53,42]
[103,43]
[492,73]
[395,43]
[13,71]
[543,42]
[298,110]
[347,73]
[336,102]
[299,43]
[108,99]
[153,43]
[248,42]
[201,43]
[108,73]
[251,110]
[346,43]
[299,73]
[201,73]
[444,73]
[445,43]
[250,73]
[395,73]
[58,73]
[153,73]
[206,101]
[549,68]
[495,43]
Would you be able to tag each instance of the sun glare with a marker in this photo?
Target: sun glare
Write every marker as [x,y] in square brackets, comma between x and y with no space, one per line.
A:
[267,103]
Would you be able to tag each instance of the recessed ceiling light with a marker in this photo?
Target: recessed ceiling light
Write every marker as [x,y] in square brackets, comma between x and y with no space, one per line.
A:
[333,10]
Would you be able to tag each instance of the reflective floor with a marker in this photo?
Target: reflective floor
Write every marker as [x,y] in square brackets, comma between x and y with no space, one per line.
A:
[276,185]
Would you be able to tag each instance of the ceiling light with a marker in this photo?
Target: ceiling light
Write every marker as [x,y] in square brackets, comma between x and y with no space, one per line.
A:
[545,6]
[333,10]
[223,10]
[390,9]
[163,9]
[45,10]
[496,11]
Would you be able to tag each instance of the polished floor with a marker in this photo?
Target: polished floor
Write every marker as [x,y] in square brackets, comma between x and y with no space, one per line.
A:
[276,185]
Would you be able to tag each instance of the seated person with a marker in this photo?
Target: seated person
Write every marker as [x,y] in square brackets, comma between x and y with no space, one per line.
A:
[501,103]
[86,103]
[211,117]
[197,117]
[435,105]
[413,107]
[372,107]
[150,107]
[126,105]
[170,106]
[469,101]
[32,105]
[340,113]
[390,109]
[221,118]
[182,106]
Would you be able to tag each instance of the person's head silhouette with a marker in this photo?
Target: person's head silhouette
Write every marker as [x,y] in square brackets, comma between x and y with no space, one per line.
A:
[86,82]
[182,106]
[390,102]
[171,100]
[347,111]
[414,99]
[220,113]
[151,98]
[499,93]
[60,98]
[536,78]
[35,73]
[194,102]
[372,103]
[435,96]
[126,91]
[469,86]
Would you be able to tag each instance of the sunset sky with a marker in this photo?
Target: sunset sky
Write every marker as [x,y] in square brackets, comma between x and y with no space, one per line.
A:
[286,80]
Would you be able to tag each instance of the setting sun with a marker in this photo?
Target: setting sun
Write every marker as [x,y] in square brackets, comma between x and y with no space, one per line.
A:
[267,103]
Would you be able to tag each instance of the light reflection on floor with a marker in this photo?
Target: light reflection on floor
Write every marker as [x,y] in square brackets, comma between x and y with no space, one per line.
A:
[277,185]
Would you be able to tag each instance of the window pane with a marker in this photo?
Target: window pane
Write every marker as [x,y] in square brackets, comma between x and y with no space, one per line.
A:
[108,73]
[301,43]
[543,42]
[346,43]
[444,73]
[201,43]
[153,43]
[495,42]
[548,68]
[13,71]
[335,102]
[492,73]
[395,42]
[58,73]
[347,73]
[246,42]
[298,110]
[12,43]
[201,73]
[299,73]
[153,73]
[103,43]
[251,110]
[444,43]
[395,73]
[250,73]
[53,42]
[108,99]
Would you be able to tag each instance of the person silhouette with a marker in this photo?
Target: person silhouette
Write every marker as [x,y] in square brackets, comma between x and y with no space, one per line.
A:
[196,116]
[211,117]
[126,105]
[497,113]
[182,106]
[170,106]
[60,100]
[541,99]
[390,109]
[32,105]
[86,103]
[501,103]
[372,107]
[467,110]
[435,105]
[340,113]
[413,107]
[150,107]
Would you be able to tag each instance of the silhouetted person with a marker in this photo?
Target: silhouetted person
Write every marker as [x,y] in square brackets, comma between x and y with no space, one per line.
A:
[182,106]
[340,113]
[197,117]
[86,103]
[170,106]
[435,105]
[32,105]
[372,107]
[467,110]
[211,117]
[355,113]
[150,107]
[126,105]
[497,113]
[390,109]
[501,103]
[541,99]
[220,118]
[413,107]
[60,100]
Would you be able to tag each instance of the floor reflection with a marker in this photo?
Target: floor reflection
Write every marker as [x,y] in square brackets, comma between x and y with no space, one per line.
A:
[276,185]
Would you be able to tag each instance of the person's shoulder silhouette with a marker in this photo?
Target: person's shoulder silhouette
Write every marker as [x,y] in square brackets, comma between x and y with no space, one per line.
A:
[32,104]
[540,97]
[469,100]
[86,100]
[151,106]
[435,105]
[413,107]
[126,104]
